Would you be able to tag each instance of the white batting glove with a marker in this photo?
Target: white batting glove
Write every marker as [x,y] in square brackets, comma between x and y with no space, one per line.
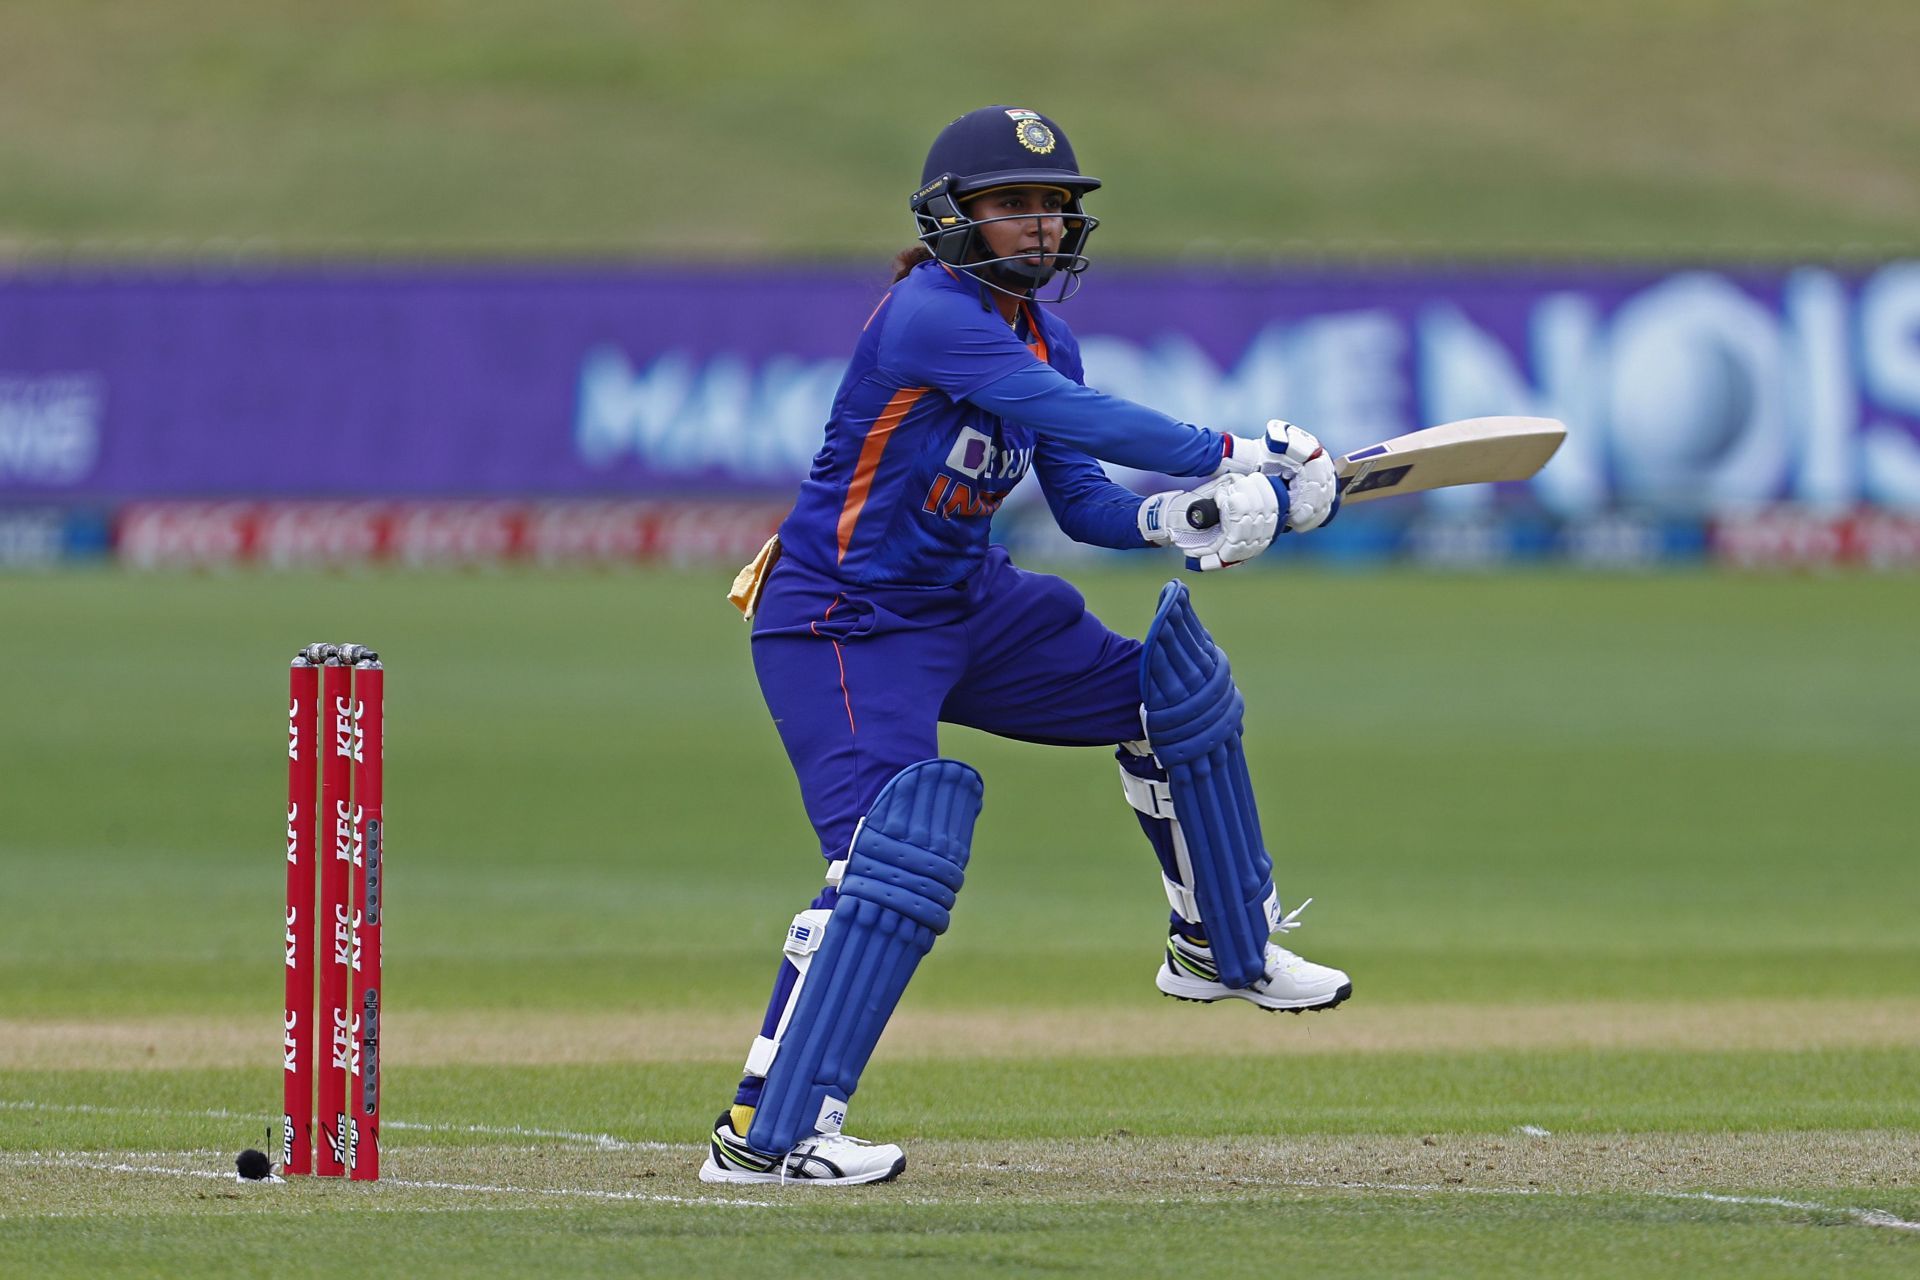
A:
[1245,456]
[1245,518]
[1313,489]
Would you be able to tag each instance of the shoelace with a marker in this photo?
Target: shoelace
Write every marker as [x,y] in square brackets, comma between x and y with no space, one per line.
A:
[1288,923]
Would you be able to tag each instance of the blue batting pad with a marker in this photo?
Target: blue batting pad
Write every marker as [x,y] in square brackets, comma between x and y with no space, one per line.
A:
[908,858]
[1193,716]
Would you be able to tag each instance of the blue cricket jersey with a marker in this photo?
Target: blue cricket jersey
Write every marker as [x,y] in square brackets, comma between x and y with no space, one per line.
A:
[943,410]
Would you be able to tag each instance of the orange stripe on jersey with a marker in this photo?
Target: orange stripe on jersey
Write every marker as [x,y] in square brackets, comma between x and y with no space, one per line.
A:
[903,400]
[885,299]
[1039,344]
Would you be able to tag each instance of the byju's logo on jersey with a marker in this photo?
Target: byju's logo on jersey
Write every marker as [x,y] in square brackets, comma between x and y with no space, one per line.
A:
[976,460]
[970,454]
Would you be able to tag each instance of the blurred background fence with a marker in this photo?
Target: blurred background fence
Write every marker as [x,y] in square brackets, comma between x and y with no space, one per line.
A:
[478,283]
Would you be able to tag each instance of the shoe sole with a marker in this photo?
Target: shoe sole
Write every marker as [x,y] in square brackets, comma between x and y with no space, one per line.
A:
[1191,995]
[711,1172]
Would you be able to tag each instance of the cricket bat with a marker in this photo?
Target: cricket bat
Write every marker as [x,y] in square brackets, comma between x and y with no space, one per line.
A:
[1471,451]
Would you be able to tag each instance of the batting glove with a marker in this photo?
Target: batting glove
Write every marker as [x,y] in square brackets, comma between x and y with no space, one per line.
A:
[1243,521]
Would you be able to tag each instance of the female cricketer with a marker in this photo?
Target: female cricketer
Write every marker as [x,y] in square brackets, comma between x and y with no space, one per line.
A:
[881,610]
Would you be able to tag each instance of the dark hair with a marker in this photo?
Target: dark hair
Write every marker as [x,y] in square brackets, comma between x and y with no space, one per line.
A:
[909,258]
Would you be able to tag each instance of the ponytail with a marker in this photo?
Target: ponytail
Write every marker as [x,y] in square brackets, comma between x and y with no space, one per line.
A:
[909,258]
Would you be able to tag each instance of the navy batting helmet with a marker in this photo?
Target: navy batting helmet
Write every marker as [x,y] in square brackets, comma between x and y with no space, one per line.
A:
[1002,147]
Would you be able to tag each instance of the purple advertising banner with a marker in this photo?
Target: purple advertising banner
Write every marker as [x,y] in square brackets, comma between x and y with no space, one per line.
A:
[1686,391]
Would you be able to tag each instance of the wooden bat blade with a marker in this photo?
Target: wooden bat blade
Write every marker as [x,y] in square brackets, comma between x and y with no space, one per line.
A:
[1471,451]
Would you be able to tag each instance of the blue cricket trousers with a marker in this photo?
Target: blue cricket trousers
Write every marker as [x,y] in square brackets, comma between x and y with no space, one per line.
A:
[859,678]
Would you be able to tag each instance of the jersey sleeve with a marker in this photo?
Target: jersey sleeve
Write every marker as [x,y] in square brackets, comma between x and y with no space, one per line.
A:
[948,342]
[1086,505]
[1107,427]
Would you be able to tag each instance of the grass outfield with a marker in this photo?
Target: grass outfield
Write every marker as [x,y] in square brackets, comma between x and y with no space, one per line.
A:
[1620,866]
[763,129]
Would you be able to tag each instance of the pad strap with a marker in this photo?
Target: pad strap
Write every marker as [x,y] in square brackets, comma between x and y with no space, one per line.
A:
[904,869]
[1152,798]
[804,937]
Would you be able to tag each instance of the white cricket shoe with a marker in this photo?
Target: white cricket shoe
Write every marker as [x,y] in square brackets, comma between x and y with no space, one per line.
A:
[823,1160]
[1291,983]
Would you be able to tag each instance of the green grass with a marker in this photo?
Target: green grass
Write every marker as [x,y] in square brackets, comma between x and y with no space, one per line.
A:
[1029,1098]
[1246,129]
[1487,784]
[1605,796]
[1319,1234]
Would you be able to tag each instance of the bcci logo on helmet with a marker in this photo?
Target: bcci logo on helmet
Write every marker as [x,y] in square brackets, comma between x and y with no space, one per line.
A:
[1031,130]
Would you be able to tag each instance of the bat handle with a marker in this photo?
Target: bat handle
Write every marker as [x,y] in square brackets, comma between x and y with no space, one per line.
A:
[1203,513]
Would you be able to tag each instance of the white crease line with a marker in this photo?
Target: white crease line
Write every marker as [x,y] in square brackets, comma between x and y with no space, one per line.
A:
[307,1211]
[652,1198]
[1865,1217]
[61,1160]
[607,1142]
[601,1141]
